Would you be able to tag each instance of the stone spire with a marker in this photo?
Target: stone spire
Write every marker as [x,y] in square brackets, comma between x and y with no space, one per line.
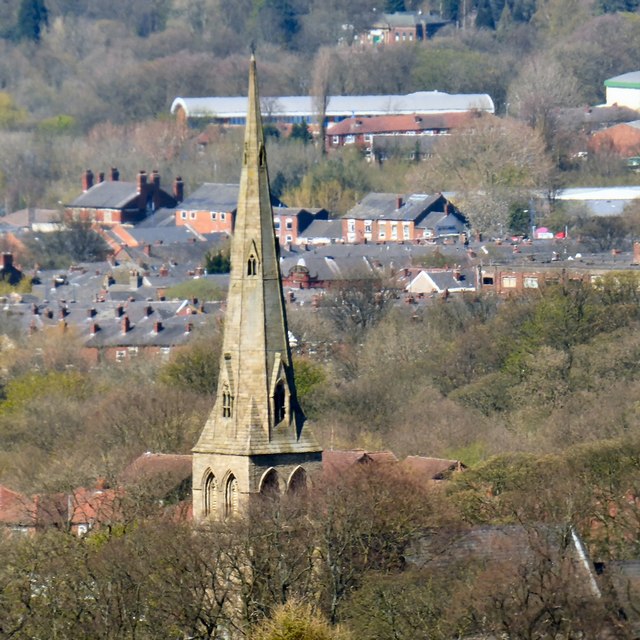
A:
[256,415]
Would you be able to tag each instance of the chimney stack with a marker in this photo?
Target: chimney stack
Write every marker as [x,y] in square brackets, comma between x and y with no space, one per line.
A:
[119,311]
[157,327]
[7,260]
[155,179]
[94,328]
[91,312]
[142,181]
[188,327]
[101,177]
[636,253]
[126,325]
[115,174]
[178,189]
[87,180]
[399,202]
[148,310]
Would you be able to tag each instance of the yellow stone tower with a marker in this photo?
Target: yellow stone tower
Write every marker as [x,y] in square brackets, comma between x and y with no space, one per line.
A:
[253,441]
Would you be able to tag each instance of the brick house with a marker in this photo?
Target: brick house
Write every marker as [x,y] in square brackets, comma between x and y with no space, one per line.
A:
[360,132]
[116,202]
[211,208]
[387,217]
[401,27]
[289,223]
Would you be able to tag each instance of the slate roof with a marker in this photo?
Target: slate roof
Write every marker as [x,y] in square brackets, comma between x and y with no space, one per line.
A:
[337,106]
[162,217]
[216,196]
[383,206]
[112,194]
[164,235]
[327,268]
[25,217]
[331,229]
[443,223]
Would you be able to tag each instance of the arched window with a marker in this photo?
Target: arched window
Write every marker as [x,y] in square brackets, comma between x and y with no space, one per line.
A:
[279,402]
[252,265]
[231,497]
[297,481]
[269,485]
[210,495]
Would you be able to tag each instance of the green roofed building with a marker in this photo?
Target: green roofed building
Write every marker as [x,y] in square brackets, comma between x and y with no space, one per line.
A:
[624,90]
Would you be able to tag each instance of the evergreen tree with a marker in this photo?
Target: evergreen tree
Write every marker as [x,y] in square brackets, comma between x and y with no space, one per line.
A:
[391,6]
[33,16]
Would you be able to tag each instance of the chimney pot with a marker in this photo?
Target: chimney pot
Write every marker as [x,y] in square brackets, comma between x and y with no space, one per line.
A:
[188,327]
[115,174]
[178,189]
[87,180]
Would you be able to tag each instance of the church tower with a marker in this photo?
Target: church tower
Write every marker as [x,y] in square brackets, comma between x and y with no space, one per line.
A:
[254,440]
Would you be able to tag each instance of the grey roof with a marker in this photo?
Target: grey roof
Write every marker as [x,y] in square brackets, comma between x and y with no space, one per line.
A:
[331,229]
[383,206]
[163,217]
[443,223]
[408,19]
[328,268]
[337,106]
[630,80]
[168,235]
[112,194]
[215,196]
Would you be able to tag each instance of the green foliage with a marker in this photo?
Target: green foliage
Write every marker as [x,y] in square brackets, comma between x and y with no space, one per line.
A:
[297,621]
[11,116]
[301,132]
[218,261]
[309,377]
[200,288]
[58,125]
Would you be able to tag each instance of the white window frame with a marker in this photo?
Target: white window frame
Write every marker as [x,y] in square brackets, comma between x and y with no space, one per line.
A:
[509,282]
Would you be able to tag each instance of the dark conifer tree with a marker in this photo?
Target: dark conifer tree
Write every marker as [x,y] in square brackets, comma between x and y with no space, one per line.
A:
[33,17]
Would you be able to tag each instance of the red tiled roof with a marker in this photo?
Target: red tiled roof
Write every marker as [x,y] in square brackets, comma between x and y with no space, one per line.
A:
[398,124]
[15,508]
[338,461]
[431,468]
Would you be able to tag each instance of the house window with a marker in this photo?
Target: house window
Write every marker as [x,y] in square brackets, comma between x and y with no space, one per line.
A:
[382,232]
[530,282]
[223,216]
[121,356]
[487,280]
[289,223]
[367,226]
[397,37]
[214,215]
[335,140]
[183,215]
[165,352]
[368,137]
[349,139]
[192,215]
[82,529]
[394,231]
[133,351]
[351,226]
[406,230]
[509,282]
[227,403]
[289,239]
[276,224]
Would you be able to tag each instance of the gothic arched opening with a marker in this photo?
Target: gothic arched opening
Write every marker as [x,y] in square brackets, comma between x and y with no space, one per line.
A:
[231,496]
[210,495]
[270,483]
[297,481]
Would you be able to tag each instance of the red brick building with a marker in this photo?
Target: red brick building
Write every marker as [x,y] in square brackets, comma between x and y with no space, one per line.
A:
[115,202]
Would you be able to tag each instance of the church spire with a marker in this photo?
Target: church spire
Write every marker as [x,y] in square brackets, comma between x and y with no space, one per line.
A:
[256,412]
